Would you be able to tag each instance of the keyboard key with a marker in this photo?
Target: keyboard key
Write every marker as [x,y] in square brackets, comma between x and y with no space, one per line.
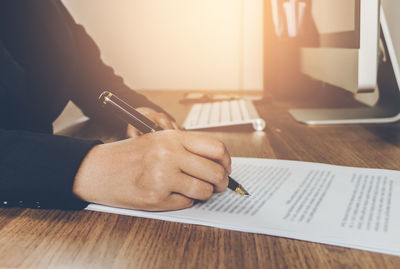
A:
[235,109]
[193,116]
[204,114]
[244,110]
[225,111]
[215,113]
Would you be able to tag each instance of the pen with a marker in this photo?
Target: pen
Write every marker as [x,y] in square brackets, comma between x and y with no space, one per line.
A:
[145,125]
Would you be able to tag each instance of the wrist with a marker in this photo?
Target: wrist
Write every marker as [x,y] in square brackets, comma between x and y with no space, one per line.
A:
[82,185]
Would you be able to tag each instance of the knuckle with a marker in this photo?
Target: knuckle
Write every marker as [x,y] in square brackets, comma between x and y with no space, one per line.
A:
[220,174]
[189,203]
[164,153]
[205,192]
[208,191]
[185,203]
[171,136]
[222,187]
[220,148]
[158,178]
[225,184]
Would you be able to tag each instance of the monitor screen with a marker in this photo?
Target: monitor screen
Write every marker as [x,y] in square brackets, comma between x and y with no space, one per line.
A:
[337,22]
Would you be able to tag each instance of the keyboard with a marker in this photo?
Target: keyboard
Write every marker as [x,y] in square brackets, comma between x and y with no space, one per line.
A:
[223,113]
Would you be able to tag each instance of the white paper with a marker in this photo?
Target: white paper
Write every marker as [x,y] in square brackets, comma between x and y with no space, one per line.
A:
[344,206]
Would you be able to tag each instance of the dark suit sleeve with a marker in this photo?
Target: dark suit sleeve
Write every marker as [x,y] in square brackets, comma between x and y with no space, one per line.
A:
[38,170]
[92,77]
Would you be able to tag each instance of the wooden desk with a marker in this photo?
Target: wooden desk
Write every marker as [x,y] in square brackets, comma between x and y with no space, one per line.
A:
[63,239]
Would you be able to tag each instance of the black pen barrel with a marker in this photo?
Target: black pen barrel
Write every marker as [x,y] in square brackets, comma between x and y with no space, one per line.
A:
[232,184]
[127,113]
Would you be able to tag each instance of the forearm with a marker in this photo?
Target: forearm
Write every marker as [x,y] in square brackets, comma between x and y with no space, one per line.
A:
[38,170]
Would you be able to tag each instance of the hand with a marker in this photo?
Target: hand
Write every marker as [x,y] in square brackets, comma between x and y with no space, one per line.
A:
[166,170]
[161,119]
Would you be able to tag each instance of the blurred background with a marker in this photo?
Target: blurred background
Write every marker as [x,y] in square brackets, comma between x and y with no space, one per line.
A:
[175,44]
[311,53]
[178,44]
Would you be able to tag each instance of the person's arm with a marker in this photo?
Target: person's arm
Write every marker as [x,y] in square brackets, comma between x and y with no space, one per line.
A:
[38,170]
[167,170]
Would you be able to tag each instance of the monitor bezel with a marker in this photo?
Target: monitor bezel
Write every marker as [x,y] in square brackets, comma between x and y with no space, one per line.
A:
[390,47]
[346,39]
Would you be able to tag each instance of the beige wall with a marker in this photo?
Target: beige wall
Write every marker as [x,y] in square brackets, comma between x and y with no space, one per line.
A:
[178,44]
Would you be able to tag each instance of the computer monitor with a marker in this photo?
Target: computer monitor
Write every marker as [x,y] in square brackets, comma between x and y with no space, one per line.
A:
[359,53]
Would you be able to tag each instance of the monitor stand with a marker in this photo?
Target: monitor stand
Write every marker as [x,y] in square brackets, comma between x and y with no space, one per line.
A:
[363,115]
[387,109]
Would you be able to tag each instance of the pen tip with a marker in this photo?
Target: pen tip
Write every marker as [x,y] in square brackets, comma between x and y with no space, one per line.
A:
[240,190]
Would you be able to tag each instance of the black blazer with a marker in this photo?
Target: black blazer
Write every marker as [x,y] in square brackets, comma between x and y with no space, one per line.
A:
[46,59]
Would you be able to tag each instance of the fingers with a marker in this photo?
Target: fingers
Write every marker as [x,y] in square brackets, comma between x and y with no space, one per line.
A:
[175,125]
[179,192]
[163,121]
[206,170]
[191,187]
[159,118]
[209,148]
[175,202]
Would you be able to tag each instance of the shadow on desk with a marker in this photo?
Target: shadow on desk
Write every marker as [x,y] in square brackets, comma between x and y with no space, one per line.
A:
[389,133]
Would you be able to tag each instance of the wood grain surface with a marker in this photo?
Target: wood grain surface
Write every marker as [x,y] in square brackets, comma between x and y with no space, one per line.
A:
[67,239]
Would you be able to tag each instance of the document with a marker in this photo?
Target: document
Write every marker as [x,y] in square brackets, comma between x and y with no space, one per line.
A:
[337,205]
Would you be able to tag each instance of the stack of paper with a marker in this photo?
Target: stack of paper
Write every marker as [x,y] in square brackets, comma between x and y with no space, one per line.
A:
[344,206]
